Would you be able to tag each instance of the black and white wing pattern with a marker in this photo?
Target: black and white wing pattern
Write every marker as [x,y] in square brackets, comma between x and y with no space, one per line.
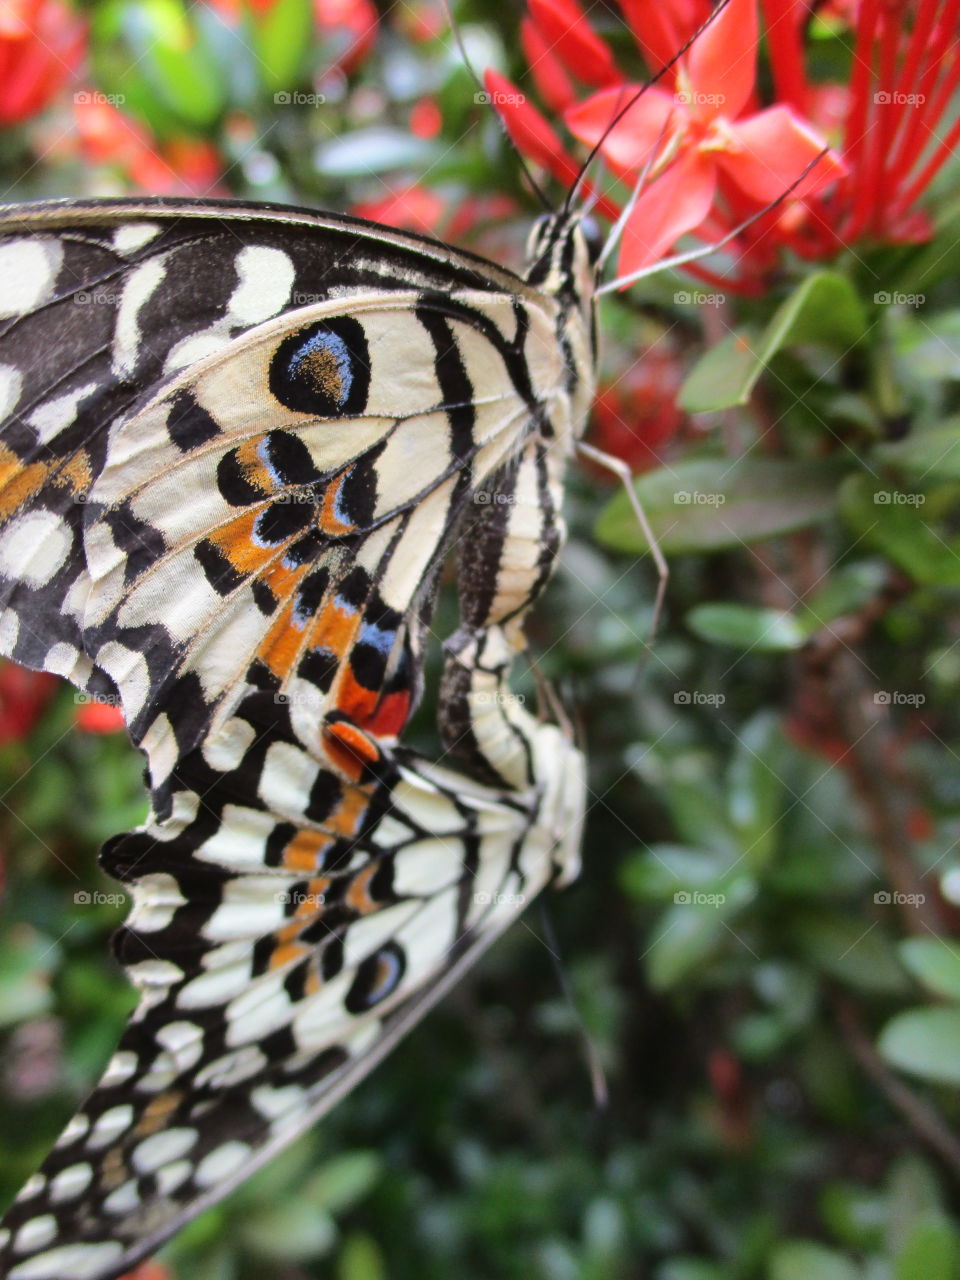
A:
[238,445]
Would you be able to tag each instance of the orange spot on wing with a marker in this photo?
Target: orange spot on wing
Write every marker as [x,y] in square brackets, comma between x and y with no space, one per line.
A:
[327,519]
[18,481]
[390,716]
[282,644]
[305,850]
[350,748]
[235,542]
[249,462]
[358,896]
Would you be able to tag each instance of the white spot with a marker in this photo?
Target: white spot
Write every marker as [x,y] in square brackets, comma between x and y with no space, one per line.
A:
[141,284]
[221,1163]
[156,899]
[156,974]
[121,1067]
[34,547]
[195,348]
[129,671]
[35,1233]
[78,1261]
[4,1237]
[77,1127]
[69,1183]
[171,1177]
[33,1186]
[425,866]
[160,744]
[272,1103]
[110,1125]
[61,658]
[28,269]
[133,236]
[125,1198]
[11,381]
[184,1041]
[9,630]
[56,415]
[225,750]
[240,841]
[232,1068]
[288,774]
[266,278]
[162,1148]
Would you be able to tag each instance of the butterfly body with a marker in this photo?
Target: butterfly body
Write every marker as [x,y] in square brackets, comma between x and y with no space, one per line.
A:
[228,484]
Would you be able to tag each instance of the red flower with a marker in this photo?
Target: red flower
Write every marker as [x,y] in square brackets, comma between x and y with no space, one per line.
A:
[712,158]
[905,72]
[184,166]
[23,696]
[351,25]
[637,415]
[99,717]
[41,44]
[418,208]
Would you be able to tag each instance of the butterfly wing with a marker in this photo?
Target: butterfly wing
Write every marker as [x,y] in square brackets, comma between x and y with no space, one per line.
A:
[243,543]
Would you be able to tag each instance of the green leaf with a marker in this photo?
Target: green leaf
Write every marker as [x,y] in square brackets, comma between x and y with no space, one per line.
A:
[853,951]
[934,453]
[281,37]
[805,1259]
[911,528]
[924,1042]
[744,626]
[660,871]
[847,590]
[935,962]
[929,1252]
[27,960]
[717,380]
[755,788]
[342,1181]
[360,1259]
[685,938]
[824,309]
[293,1231]
[711,504]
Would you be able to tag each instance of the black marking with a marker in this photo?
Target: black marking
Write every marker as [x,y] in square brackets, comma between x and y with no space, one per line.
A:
[189,424]
[220,573]
[324,369]
[377,977]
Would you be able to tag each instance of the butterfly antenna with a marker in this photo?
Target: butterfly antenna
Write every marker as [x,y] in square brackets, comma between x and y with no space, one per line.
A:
[458,38]
[628,106]
[694,255]
[616,230]
[598,1076]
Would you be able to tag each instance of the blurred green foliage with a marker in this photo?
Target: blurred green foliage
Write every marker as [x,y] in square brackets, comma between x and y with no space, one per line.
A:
[764,947]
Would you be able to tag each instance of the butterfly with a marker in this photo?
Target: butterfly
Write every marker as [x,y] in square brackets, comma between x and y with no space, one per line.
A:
[238,444]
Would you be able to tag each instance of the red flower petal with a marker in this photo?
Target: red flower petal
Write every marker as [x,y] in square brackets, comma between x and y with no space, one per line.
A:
[553,83]
[677,202]
[531,133]
[99,717]
[722,62]
[632,141]
[775,147]
[567,32]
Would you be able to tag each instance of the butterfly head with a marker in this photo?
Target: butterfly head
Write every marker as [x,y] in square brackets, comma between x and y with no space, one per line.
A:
[562,250]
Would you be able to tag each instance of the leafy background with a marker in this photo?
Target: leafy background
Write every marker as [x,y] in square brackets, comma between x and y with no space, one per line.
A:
[763,948]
